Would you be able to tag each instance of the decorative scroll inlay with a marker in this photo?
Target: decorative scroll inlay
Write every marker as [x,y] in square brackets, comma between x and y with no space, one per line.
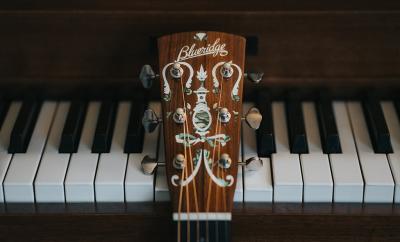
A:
[208,163]
[215,78]
[197,163]
[166,88]
[189,140]
[235,89]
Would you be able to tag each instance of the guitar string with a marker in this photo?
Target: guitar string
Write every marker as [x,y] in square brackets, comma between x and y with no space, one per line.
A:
[186,170]
[217,188]
[180,193]
[191,165]
[219,169]
[187,193]
[222,169]
[213,158]
[194,190]
[219,127]
[213,155]
[179,208]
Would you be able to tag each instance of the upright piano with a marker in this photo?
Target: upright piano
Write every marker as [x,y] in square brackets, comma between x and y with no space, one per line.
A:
[71,104]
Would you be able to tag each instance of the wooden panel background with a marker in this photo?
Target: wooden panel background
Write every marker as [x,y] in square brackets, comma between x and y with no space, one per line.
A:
[97,45]
[57,48]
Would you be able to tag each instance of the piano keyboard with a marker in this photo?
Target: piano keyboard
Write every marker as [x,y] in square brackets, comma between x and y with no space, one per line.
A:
[67,152]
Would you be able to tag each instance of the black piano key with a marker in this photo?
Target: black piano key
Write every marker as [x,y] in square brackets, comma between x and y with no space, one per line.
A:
[4,106]
[104,128]
[265,133]
[327,127]
[296,128]
[212,231]
[224,233]
[135,133]
[202,233]
[378,130]
[23,127]
[397,107]
[73,127]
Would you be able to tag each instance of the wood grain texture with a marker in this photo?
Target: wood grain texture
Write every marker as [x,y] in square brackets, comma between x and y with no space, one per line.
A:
[97,48]
[152,222]
[192,5]
[205,193]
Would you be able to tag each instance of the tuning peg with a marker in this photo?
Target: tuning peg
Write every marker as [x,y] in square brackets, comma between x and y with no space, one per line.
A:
[149,165]
[254,164]
[176,71]
[225,161]
[253,118]
[147,76]
[150,120]
[227,70]
[254,77]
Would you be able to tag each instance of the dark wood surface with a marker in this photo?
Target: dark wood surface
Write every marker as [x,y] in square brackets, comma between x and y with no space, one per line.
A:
[195,6]
[152,222]
[61,49]
[56,48]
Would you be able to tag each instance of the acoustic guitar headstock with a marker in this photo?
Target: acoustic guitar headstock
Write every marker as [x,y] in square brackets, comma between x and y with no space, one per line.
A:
[201,78]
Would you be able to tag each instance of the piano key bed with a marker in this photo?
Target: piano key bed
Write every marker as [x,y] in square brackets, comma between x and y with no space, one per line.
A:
[80,163]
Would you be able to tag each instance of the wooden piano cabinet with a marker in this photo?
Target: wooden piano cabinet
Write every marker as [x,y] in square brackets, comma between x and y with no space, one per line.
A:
[60,49]
[152,222]
[56,48]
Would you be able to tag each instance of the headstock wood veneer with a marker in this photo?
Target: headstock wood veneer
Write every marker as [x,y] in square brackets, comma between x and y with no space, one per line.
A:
[201,78]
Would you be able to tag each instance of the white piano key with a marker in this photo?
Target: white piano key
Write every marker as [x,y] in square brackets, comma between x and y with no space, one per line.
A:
[393,124]
[238,196]
[79,181]
[110,174]
[138,186]
[49,182]
[379,185]
[258,184]
[286,170]
[346,171]
[317,178]
[5,133]
[18,184]
[161,192]
[239,191]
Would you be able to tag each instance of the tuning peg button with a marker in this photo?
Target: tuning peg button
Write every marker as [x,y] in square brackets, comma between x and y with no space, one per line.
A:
[179,162]
[225,161]
[150,120]
[227,70]
[147,76]
[254,164]
[224,115]
[176,70]
[179,116]
[253,118]
[149,165]
[254,77]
